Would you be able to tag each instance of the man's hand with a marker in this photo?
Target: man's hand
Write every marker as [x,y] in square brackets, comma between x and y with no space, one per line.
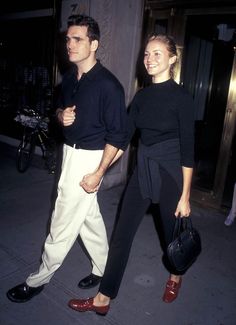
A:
[67,116]
[91,182]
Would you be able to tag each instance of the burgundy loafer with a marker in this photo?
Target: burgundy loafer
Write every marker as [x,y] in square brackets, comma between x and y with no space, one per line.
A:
[171,290]
[87,305]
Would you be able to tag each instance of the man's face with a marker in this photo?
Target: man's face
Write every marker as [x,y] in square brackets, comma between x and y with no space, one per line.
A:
[79,47]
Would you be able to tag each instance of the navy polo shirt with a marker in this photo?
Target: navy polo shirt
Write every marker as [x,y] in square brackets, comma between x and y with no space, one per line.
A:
[101,116]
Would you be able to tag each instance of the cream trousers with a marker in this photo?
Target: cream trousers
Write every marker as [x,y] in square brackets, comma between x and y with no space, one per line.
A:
[76,213]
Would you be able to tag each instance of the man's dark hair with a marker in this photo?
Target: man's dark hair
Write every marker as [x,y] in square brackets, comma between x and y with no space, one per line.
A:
[83,20]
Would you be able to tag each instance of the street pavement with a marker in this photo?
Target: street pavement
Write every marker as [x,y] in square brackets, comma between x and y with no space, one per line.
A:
[207,296]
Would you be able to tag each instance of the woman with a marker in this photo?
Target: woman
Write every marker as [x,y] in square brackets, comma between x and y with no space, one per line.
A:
[163,113]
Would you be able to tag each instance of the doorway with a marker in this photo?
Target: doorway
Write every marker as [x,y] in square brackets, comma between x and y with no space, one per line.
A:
[26,66]
[206,72]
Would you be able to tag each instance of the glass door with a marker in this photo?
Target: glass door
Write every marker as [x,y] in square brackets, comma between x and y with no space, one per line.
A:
[208,69]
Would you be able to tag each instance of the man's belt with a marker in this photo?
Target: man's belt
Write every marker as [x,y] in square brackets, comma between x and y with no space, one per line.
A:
[73,145]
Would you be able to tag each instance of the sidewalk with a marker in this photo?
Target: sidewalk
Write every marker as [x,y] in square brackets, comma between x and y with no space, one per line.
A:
[207,296]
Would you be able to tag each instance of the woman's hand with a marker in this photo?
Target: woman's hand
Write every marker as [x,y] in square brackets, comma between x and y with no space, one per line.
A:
[183,208]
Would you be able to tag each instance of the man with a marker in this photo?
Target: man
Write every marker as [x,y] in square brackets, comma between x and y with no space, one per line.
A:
[93,117]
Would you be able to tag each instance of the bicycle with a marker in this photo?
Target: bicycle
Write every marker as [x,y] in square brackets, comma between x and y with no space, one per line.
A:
[35,133]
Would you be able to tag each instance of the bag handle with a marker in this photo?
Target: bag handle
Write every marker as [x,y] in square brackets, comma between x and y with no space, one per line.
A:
[177,228]
[187,223]
[182,224]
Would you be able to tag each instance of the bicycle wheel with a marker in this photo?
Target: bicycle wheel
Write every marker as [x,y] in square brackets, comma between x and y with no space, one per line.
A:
[25,151]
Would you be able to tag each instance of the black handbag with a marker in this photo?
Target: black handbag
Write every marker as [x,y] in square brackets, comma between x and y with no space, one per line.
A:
[186,245]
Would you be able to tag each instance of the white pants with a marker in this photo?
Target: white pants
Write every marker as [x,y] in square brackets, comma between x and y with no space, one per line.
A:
[76,213]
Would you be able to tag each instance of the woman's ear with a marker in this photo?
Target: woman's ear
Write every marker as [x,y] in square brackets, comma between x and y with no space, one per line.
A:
[173,59]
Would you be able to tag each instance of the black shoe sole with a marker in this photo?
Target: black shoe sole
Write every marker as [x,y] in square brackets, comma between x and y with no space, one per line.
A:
[89,286]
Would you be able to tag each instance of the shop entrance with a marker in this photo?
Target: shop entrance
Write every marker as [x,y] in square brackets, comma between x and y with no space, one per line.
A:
[207,72]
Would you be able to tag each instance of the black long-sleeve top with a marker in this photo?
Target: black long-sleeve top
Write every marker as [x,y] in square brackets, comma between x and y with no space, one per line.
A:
[101,116]
[164,111]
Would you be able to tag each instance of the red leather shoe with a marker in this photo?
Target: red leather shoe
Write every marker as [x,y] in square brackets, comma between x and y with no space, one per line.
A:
[87,305]
[171,290]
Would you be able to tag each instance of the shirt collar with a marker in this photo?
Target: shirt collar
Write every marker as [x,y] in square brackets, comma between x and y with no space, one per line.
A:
[92,72]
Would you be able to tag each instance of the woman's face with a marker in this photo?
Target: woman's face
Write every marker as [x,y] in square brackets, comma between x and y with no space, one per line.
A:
[157,61]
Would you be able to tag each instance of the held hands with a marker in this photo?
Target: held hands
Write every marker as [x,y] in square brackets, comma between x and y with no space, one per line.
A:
[183,208]
[67,116]
[91,182]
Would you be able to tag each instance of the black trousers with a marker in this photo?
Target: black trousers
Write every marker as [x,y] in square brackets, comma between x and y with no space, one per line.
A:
[132,211]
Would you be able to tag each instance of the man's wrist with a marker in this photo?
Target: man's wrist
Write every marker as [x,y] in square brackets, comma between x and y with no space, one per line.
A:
[100,172]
